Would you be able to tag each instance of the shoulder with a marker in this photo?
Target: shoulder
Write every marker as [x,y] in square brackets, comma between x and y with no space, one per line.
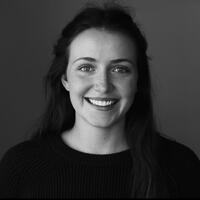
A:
[15,162]
[31,150]
[28,155]
[21,156]
[23,163]
[182,165]
[174,150]
[23,149]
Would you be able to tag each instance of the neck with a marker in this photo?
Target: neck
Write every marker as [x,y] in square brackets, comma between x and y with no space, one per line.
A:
[96,140]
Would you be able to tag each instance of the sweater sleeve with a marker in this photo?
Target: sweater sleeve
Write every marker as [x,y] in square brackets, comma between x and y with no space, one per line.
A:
[14,167]
[184,166]
[9,174]
[188,174]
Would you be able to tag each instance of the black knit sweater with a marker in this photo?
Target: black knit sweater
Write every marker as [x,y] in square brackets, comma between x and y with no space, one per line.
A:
[48,168]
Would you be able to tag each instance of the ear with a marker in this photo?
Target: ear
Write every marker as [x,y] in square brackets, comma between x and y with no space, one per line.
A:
[65,82]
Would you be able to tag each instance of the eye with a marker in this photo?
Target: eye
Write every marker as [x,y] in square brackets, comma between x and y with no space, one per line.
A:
[86,68]
[121,69]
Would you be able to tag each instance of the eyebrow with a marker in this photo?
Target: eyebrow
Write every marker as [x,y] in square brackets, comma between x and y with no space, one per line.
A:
[114,61]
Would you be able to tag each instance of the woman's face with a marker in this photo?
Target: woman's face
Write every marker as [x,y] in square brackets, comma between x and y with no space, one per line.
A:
[101,76]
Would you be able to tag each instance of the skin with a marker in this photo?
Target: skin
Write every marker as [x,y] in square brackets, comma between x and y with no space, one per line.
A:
[94,70]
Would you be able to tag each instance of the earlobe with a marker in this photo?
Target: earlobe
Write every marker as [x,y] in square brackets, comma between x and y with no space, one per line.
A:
[65,82]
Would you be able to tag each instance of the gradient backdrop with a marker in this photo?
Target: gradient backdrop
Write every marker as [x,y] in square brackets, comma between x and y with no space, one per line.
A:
[30,28]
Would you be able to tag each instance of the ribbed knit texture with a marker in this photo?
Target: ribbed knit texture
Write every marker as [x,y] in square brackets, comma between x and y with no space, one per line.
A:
[51,169]
[48,168]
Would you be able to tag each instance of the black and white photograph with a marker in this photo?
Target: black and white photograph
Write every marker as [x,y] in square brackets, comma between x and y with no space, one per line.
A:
[99,99]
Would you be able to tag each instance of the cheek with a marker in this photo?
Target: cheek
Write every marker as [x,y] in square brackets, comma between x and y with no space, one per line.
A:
[128,88]
[129,95]
[78,85]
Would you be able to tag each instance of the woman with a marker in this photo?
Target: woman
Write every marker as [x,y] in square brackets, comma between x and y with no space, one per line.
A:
[97,137]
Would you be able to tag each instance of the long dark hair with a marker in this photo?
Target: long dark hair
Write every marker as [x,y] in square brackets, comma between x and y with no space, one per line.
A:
[142,137]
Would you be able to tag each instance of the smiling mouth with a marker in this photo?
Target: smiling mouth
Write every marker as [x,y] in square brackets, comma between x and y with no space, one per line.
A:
[102,102]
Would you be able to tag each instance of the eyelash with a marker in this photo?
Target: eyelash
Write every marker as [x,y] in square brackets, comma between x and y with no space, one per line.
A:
[124,69]
[85,66]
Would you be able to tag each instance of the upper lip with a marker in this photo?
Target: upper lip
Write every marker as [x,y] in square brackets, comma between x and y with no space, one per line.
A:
[102,99]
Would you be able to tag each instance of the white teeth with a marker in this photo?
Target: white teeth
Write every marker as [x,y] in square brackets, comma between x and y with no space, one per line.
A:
[101,103]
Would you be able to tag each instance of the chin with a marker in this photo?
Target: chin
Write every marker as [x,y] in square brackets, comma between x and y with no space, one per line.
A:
[102,123]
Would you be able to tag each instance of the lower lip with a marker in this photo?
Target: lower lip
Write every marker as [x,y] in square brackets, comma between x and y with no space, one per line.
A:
[102,108]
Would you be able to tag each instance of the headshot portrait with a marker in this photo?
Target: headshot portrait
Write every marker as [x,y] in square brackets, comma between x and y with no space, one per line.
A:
[100,99]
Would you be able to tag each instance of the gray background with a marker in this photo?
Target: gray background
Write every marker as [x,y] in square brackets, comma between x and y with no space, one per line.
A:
[30,28]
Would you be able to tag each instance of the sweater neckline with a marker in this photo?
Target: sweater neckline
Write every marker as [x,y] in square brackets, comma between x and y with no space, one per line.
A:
[58,145]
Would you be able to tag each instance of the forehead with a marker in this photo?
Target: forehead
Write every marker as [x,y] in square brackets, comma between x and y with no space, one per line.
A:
[100,43]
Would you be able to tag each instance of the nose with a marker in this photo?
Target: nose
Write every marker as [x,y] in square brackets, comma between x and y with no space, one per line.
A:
[102,83]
